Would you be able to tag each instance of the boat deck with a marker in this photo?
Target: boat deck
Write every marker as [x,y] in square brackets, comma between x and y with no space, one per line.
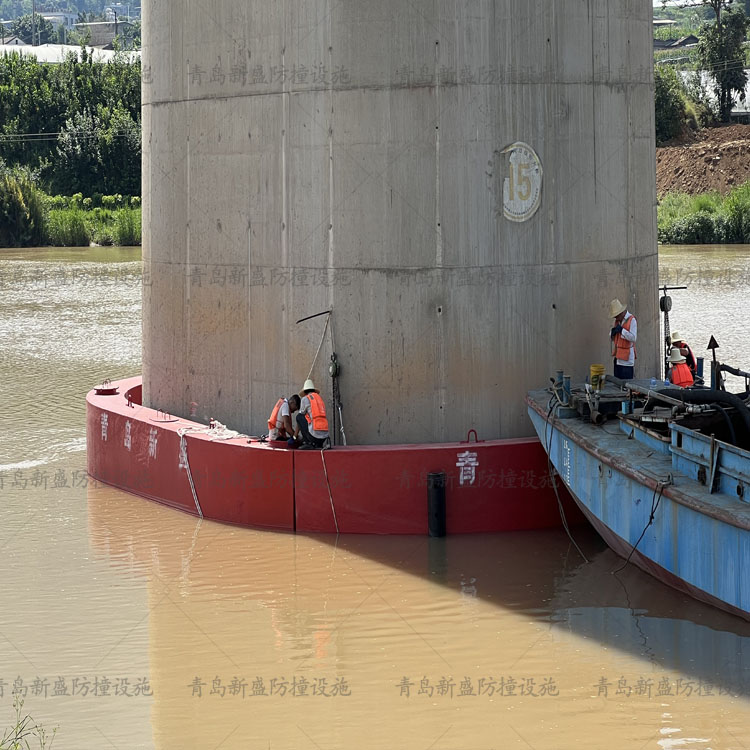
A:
[615,446]
[669,498]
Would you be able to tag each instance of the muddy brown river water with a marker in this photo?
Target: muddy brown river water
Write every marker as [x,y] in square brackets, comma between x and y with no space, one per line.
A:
[129,625]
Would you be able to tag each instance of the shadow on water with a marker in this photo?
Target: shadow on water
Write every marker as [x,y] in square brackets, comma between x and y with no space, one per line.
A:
[540,574]
[537,574]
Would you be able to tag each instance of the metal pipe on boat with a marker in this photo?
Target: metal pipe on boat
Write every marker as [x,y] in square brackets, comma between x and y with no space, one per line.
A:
[709,396]
[716,380]
[566,390]
[655,393]
[616,381]
[436,503]
[597,417]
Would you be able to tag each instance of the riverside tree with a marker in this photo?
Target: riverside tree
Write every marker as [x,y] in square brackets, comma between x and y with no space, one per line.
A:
[75,124]
[39,28]
[21,209]
[720,50]
[669,104]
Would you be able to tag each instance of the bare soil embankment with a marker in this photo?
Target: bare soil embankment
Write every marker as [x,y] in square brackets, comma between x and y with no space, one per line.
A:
[713,159]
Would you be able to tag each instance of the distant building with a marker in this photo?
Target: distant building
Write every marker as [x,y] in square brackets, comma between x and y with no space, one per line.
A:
[68,20]
[103,32]
[124,11]
[15,41]
[684,42]
[56,53]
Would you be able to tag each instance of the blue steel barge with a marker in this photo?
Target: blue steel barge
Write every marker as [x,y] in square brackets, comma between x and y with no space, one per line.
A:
[657,481]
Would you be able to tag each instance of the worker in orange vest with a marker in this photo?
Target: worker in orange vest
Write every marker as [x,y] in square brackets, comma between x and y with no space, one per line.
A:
[623,336]
[312,423]
[280,421]
[677,340]
[679,372]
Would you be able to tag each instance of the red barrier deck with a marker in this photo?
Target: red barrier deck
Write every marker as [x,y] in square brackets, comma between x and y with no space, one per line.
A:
[498,485]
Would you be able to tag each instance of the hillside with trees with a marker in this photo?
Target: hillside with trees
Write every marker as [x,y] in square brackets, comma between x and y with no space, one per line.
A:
[75,126]
[70,150]
[700,86]
[703,161]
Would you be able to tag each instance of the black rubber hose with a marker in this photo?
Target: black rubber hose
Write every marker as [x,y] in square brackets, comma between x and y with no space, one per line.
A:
[732,433]
[733,371]
[739,374]
[710,396]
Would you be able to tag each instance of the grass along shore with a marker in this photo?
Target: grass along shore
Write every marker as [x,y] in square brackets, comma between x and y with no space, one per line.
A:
[30,217]
[706,219]
[78,221]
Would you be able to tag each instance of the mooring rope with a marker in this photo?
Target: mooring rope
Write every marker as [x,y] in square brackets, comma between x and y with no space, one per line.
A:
[660,486]
[183,452]
[328,484]
[217,431]
[552,471]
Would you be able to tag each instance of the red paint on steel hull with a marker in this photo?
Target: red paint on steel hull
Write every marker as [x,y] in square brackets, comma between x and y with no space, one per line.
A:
[373,489]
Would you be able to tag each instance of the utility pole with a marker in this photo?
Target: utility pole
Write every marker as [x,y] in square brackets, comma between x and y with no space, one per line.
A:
[33,21]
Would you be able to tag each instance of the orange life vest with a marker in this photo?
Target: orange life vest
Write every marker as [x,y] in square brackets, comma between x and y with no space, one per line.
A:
[621,346]
[318,409]
[680,375]
[275,414]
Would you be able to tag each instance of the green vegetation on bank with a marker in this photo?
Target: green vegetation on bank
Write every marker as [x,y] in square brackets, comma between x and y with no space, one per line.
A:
[29,218]
[70,130]
[705,219]
[80,222]
[679,106]
[22,212]
[76,124]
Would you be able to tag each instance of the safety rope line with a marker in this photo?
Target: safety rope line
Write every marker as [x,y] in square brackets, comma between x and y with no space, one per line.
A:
[320,346]
[218,431]
[328,484]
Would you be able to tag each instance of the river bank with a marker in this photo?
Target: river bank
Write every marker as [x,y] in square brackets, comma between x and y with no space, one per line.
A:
[703,188]
[76,227]
[708,218]
[29,217]
[709,160]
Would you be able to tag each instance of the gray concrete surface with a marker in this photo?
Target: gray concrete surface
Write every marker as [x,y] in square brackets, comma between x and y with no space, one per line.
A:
[301,156]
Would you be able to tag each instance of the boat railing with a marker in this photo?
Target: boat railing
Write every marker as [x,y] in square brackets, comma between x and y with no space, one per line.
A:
[719,466]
